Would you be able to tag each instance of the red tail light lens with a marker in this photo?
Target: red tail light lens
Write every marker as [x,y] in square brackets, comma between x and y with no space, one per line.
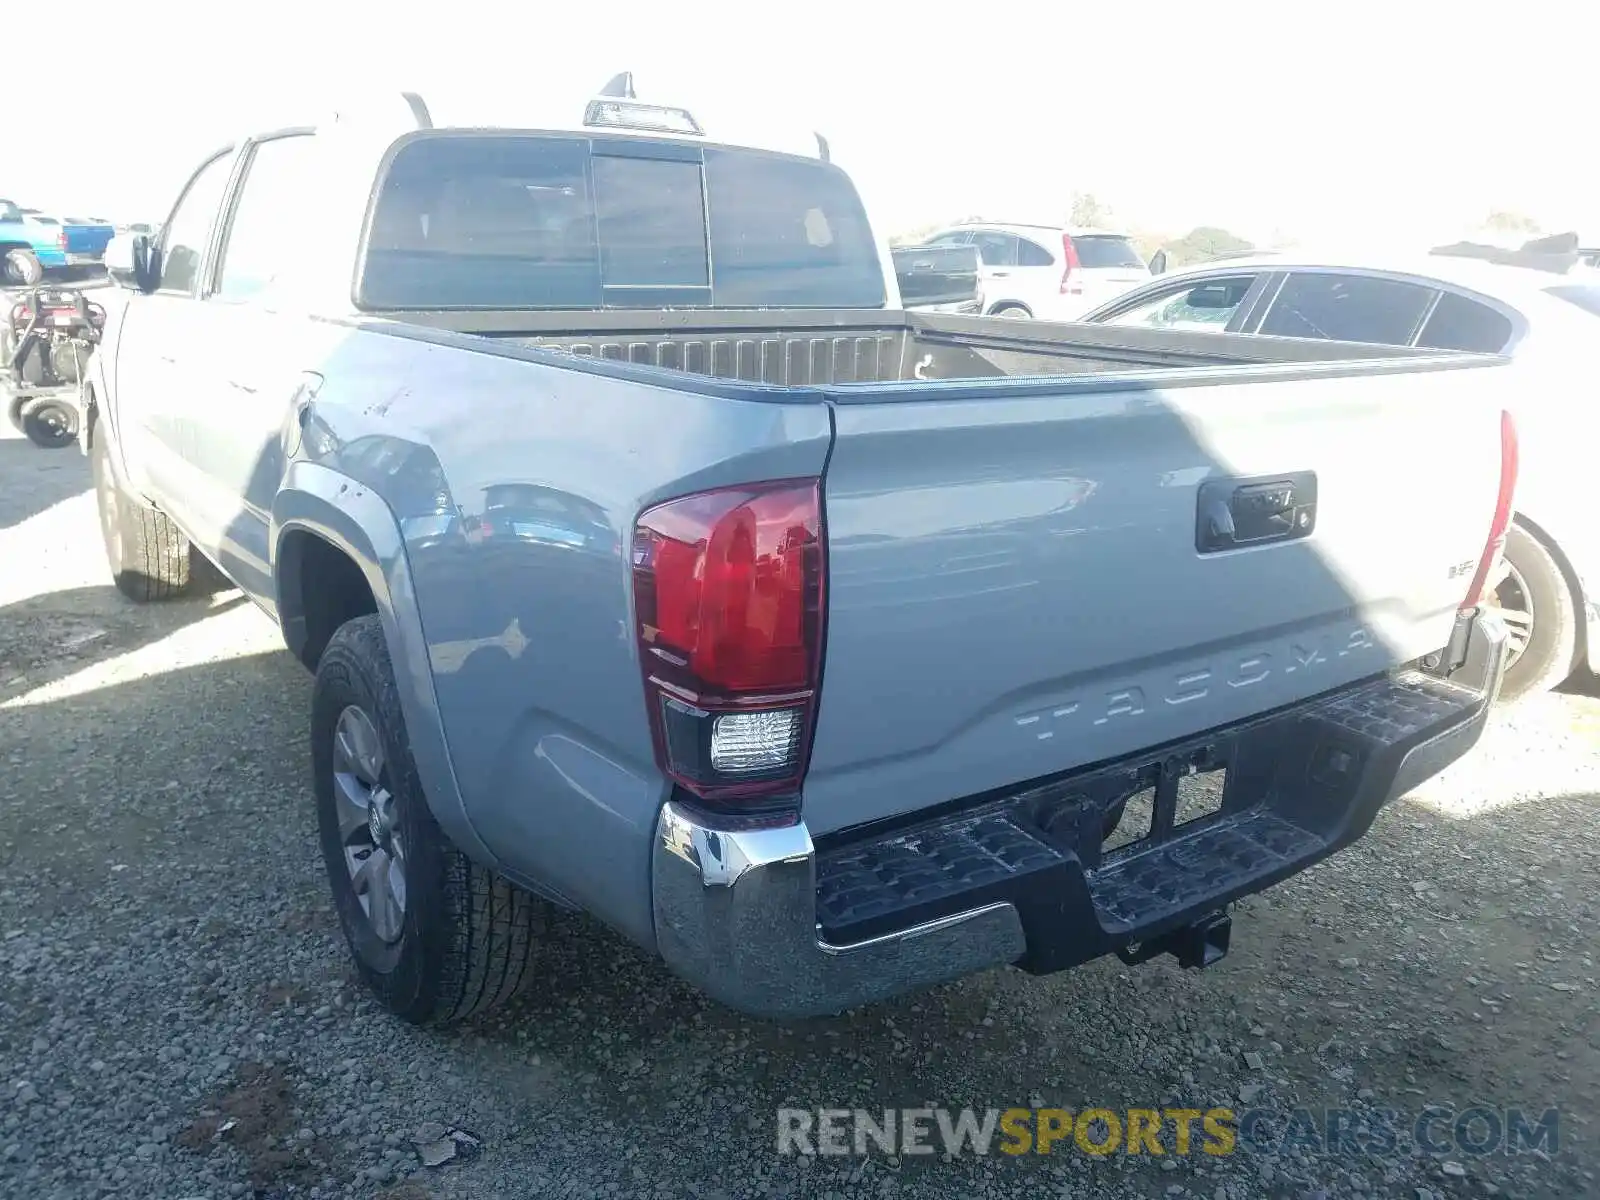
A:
[1069,264]
[61,240]
[1504,506]
[729,609]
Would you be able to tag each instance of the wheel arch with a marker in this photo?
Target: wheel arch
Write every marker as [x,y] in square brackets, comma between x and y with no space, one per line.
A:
[321,518]
[1582,650]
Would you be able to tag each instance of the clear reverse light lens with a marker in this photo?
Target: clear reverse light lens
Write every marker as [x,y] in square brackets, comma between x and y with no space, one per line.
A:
[755,743]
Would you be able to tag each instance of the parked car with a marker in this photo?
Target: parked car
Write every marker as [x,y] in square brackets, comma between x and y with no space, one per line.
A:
[1548,590]
[32,243]
[651,561]
[1045,272]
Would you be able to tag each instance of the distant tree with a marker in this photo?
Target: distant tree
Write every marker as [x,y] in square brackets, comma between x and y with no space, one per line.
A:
[1203,243]
[1089,211]
[1502,221]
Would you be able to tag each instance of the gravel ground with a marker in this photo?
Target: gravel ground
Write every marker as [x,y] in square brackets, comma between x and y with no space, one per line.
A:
[178,1018]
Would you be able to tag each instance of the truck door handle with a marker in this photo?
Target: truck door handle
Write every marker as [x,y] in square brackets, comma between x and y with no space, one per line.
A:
[1252,511]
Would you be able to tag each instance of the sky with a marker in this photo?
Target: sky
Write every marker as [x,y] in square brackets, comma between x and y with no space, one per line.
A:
[1390,121]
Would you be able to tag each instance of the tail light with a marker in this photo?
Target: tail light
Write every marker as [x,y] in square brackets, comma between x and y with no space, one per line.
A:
[61,240]
[1494,548]
[1069,264]
[728,600]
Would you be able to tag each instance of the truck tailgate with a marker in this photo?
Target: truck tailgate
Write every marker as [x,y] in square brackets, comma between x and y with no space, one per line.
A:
[87,238]
[1016,585]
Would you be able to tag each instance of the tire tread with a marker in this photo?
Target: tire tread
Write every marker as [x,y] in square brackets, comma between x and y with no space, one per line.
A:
[152,559]
[484,935]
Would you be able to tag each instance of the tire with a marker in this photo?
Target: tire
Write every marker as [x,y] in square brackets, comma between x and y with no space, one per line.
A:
[1535,601]
[1013,312]
[148,556]
[463,939]
[50,423]
[20,268]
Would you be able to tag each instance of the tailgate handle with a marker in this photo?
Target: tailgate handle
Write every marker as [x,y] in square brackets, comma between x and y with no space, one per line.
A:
[1255,510]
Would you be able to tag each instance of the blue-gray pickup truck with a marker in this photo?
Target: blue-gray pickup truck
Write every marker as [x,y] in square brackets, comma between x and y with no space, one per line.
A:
[652,561]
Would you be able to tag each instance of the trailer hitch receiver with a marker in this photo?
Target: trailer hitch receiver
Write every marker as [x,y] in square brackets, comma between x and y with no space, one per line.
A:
[1197,945]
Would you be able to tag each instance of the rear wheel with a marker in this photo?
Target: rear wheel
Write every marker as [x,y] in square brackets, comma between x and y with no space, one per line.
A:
[149,558]
[1014,312]
[1533,599]
[437,937]
[20,268]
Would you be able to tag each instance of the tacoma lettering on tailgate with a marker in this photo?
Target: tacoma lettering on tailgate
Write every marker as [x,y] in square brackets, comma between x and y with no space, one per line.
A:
[1124,700]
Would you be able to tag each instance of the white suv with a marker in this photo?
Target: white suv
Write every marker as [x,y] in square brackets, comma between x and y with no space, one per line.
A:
[1048,273]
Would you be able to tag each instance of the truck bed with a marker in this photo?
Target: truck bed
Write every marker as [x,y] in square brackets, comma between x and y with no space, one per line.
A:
[826,348]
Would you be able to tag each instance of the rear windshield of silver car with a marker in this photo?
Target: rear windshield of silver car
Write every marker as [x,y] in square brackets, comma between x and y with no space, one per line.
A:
[564,222]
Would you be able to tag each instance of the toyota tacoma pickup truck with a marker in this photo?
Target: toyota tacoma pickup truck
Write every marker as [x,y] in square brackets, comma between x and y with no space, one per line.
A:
[651,561]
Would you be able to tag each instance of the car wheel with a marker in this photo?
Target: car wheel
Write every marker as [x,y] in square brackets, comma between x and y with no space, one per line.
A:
[148,556]
[1533,599]
[48,422]
[437,937]
[1013,312]
[21,268]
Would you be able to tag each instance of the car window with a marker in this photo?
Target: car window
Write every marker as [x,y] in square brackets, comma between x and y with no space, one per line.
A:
[1105,250]
[184,237]
[271,219]
[1458,323]
[1206,306]
[9,211]
[996,249]
[1031,254]
[539,222]
[1347,308]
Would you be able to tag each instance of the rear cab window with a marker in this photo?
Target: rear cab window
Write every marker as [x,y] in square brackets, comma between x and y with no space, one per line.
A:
[572,222]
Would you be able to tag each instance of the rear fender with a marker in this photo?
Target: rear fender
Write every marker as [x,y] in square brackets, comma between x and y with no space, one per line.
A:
[355,520]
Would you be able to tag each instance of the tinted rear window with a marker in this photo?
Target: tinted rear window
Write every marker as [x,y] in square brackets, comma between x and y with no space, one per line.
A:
[1461,324]
[1347,308]
[563,223]
[1096,250]
[1585,296]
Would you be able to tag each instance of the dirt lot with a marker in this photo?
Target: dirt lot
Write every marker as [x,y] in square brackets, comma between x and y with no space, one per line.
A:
[177,1018]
